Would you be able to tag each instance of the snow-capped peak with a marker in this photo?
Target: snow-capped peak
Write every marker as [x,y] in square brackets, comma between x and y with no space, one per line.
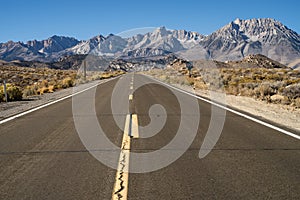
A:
[237,21]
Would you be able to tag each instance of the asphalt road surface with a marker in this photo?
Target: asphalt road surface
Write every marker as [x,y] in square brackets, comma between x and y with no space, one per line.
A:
[43,157]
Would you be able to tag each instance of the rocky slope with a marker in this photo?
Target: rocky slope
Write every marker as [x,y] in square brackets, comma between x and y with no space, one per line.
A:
[255,36]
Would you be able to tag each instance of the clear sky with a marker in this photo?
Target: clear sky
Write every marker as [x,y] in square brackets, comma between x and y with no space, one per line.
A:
[39,19]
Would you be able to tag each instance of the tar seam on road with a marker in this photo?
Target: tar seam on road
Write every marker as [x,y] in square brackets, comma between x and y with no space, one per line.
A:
[231,110]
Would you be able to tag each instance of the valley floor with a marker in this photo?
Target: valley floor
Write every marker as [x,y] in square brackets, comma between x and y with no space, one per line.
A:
[281,114]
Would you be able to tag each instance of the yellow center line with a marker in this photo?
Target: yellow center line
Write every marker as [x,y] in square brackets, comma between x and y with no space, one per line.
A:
[134,126]
[131,129]
[120,190]
[130,97]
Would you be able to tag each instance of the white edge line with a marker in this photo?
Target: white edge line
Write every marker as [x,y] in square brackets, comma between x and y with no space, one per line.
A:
[50,103]
[231,110]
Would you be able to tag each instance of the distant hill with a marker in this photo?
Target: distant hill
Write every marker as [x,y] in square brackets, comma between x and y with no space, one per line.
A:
[255,61]
[251,61]
[68,62]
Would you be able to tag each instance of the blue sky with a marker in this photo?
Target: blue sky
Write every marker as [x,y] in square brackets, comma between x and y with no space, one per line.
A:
[40,19]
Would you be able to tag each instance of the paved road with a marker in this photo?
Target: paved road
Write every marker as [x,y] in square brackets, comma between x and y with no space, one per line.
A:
[42,156]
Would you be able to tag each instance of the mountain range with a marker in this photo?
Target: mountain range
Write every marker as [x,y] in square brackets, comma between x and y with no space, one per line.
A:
[234,41]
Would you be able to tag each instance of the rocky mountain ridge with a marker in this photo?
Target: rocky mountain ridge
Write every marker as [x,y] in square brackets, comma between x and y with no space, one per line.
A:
[234,41]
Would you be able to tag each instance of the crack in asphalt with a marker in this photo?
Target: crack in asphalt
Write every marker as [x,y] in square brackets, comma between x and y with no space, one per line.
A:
[121,171]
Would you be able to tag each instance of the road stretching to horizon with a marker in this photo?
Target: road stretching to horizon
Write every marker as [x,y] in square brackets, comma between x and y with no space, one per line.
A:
[42,156]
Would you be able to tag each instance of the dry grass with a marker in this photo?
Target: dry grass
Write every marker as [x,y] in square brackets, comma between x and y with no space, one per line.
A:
[272,85]
[37,81]
[14,93]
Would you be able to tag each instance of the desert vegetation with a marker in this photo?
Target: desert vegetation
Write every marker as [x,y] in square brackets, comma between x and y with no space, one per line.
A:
[23,82]
[281,86]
